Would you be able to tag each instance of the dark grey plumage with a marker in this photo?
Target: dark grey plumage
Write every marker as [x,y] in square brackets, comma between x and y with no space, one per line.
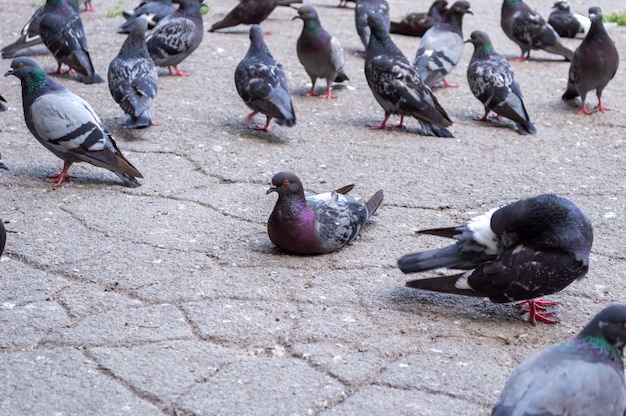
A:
[564,22]
[153,10]
[493,82]
[416,24]
[362,10]
[583,376]
[247,12]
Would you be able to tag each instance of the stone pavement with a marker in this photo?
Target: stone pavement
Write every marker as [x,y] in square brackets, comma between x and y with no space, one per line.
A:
[170,299]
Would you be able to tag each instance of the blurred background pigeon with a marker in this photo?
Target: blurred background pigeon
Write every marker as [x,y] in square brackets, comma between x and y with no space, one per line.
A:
[362,10]
[416,24]
[247,12]
[154,11]
[564,22]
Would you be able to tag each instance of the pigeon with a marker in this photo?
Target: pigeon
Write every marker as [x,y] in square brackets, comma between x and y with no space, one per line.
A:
[133,78]
[416,24]
[397,86]
[529,30]
[362,10]
[493,82]
[520,251]
[3,104]
[66,124]
[564,22]
[247,12]
[594,63]
[315,224]
[262,85]
[319,52]
[154,11]
[176,36]
[3,237]
[441,47]
[583,376]
[62,32]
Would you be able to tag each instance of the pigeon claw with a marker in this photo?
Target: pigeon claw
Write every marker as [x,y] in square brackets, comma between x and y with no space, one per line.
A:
[328,94]
[177,72]
[600,107]
[537,310]
[446,84]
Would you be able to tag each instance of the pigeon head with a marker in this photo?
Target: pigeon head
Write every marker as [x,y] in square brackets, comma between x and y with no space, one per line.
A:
[460,8]
[481,41]
[595,14]
[562,5]
[256,37]
[307,14]
[30,73]
[377,24]
[609,325]
[286,183]
[438,8]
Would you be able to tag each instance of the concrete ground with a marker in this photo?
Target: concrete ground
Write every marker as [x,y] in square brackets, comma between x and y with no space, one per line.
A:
[170,298]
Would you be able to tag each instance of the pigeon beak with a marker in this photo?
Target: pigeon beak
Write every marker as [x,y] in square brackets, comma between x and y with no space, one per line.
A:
[272,189]
[469,11]
[468,41]
[296,17]
[9,72]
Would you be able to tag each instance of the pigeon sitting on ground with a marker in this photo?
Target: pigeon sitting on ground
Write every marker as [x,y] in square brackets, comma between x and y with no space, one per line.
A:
[397,86]
[247,12]
[493,82]
[133,78]
[66,124]
[583,376]
[176,36]
[441,47]
[154,11]
[529,30]
[362,10]
[521,251]
[262,85]
[319,52]
[315,224]
[416,24]
[564,22]
[594,63]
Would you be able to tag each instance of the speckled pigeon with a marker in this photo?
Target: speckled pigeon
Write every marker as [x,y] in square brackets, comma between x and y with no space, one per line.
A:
[520,251]
[594,63]
[319,52]
[441,47]
[564,22]
[154,11]
[397,86]
[133,78]
[362,10]
[315,224]
[176,36]
[493,82]
[262,85]
[66,124]
[583,376]
[529,30]
[416,24]
[247,12]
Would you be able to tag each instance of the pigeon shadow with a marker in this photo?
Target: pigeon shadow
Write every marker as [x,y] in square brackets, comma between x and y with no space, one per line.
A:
[247,131]
[39,176]
[513,58]
[37,50]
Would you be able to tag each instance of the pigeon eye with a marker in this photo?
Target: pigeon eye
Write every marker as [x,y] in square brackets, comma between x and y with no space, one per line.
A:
[624,325]
[20,65]
[285,182]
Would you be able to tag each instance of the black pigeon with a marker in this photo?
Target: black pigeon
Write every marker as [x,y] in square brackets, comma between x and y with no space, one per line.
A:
[583,376]
[594,63]
[154,11]
[493,82]
[315,224]
[520,251]
[362,10]
[67,125]
[262,85]
[416,24]
[529,30]
[397,86]
[564,22]
[133,78]
[247,12]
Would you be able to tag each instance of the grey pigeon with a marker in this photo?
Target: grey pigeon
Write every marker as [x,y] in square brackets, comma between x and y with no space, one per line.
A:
[247,12]
[319,52]
[66,124]
[520,251]
[176,36]
[583,376]
[3,237]
[416,24]
[362,10]
[397,86]
[564,22]
[441,47]
[62,32]
[262,85]
[529,30]
[493,82]
[154,11]
[315,224]
[133,78]
[594,63]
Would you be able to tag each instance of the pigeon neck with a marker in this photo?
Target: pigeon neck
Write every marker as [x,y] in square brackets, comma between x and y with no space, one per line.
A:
[455,20]
[597,28]
[37,81]
[598,346]
[313,25]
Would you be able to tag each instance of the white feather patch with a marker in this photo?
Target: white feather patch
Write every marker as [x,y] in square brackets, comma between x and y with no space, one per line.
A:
[481,231]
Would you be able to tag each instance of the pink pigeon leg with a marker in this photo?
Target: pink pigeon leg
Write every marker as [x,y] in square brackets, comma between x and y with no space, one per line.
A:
[177,72]
[328,94]
[57,178]
[537,310]
[382,125]
[600,107]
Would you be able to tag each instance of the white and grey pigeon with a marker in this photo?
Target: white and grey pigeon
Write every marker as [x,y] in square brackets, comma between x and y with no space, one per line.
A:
[441,47]
[583,376]
[518,252]
[153,10]
[133,78]
[315,224]
[493,82]
[262,84]
[175,37]
[594,64]
[247,12]
[362,10]
[66,125]
[397,86]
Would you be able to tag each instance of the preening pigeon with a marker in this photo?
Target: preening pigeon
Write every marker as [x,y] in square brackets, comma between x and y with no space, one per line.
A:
[529,30]
[176,36]
[493,82]
[315,224]
[416,24]
[362,10]
[133,78]
[154,11]
[319,52]
[594,63]
[583,376]
[262,85]
[564,22]
[441,47]
[66,124]
[520,251]
[247,12]
[397,86]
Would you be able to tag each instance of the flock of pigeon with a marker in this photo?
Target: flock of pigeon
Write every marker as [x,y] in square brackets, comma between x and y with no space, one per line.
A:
[517,252]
